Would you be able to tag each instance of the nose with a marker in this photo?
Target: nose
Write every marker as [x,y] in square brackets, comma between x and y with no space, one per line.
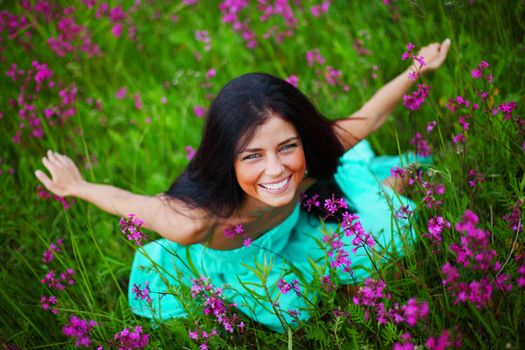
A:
[274,166]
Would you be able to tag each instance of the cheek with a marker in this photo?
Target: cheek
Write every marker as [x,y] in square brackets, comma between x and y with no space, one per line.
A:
[247,175]
[298,162]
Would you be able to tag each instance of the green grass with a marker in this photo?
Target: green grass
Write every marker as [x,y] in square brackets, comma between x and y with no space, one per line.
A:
[116,145]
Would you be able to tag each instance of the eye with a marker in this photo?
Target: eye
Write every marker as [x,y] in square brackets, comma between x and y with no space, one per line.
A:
[288,147]
[251,156]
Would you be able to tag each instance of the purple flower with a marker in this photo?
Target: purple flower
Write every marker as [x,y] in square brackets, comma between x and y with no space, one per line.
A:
[121,93]
[79,329]
[130,227]
[142,294]
[439,343]
[414,101]
[199,111]
[293,79]
[135,339]
[190,152]
[308,203]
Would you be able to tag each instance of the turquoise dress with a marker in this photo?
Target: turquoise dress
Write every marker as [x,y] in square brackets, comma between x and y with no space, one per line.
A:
[292,250]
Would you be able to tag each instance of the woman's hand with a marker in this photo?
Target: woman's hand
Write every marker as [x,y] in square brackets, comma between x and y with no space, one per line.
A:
[65,175]
[434,55]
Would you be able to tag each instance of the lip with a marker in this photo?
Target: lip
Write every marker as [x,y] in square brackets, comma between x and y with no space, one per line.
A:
[280,190]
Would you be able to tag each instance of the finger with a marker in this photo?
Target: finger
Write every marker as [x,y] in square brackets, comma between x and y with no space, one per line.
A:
[52,157]
[62,159]
[445,46]
[42,177]
[50,166]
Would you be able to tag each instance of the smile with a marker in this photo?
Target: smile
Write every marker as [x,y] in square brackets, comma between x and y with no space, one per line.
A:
[276,186]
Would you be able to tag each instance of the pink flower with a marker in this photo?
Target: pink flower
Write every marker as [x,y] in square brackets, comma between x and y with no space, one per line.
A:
[116,30]
[199,111]
[138,101]
[190,152]
[142,294]
[211,73]
[80,330]
[121,93]
[247,242]
[130,227]
[414,101]
[135,339]
[293,79]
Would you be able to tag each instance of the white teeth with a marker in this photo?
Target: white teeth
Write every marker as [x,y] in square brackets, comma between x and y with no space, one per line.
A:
[276,186]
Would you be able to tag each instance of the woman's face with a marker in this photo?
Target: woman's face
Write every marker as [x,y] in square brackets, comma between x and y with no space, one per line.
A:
[272,164]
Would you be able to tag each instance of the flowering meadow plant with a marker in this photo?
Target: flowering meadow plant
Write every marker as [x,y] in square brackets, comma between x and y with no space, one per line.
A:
[124,88]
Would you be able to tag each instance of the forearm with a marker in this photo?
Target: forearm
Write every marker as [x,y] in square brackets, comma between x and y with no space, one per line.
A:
[108,198]
[383,102]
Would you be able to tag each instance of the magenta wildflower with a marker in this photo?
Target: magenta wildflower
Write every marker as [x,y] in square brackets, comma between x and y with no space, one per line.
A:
[130,226]
[58,281]
[414,101]
[477,73]
[308,203]
[213,303]
[319,10]
[314,56]
[202,36]
[413,311]
[199,111]
[361,50]
[436,225]
[116,30]
[121,93]
[475,177]
[397,171]
[327,283]
[247,242]
[353,228]
[514,218]
[138,101]
[190,152]
[442,342]
[431,126]
[293,79]
[431,193]
[79,329]
[473,252]
[332,205]
[53,248]
[506,109]
[46,302]
[403,212]
[286,287]
[129,340]
[520,280]
[421,144]
[211,73]
[409,54]
[142,294]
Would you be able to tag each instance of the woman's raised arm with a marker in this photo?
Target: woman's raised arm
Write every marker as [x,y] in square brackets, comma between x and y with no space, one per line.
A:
[374,113]
[158,215]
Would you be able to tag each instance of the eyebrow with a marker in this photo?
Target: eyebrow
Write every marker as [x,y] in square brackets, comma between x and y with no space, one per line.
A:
[249,150]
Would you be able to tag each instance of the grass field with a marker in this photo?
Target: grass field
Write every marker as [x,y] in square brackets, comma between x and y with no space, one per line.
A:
[121,87]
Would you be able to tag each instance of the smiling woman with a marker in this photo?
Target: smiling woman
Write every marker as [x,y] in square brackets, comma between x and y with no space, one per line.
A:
[272,166]
[236,205]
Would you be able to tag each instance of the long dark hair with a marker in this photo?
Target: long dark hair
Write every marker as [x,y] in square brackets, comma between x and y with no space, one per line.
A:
[243,104]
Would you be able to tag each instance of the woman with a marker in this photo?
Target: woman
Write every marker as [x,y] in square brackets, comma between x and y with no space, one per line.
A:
[264,144]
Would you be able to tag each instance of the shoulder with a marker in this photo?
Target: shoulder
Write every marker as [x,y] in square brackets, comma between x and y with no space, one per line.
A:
[351,130]
[178,222]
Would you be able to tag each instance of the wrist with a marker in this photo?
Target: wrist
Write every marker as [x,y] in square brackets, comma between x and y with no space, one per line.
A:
[77,189]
